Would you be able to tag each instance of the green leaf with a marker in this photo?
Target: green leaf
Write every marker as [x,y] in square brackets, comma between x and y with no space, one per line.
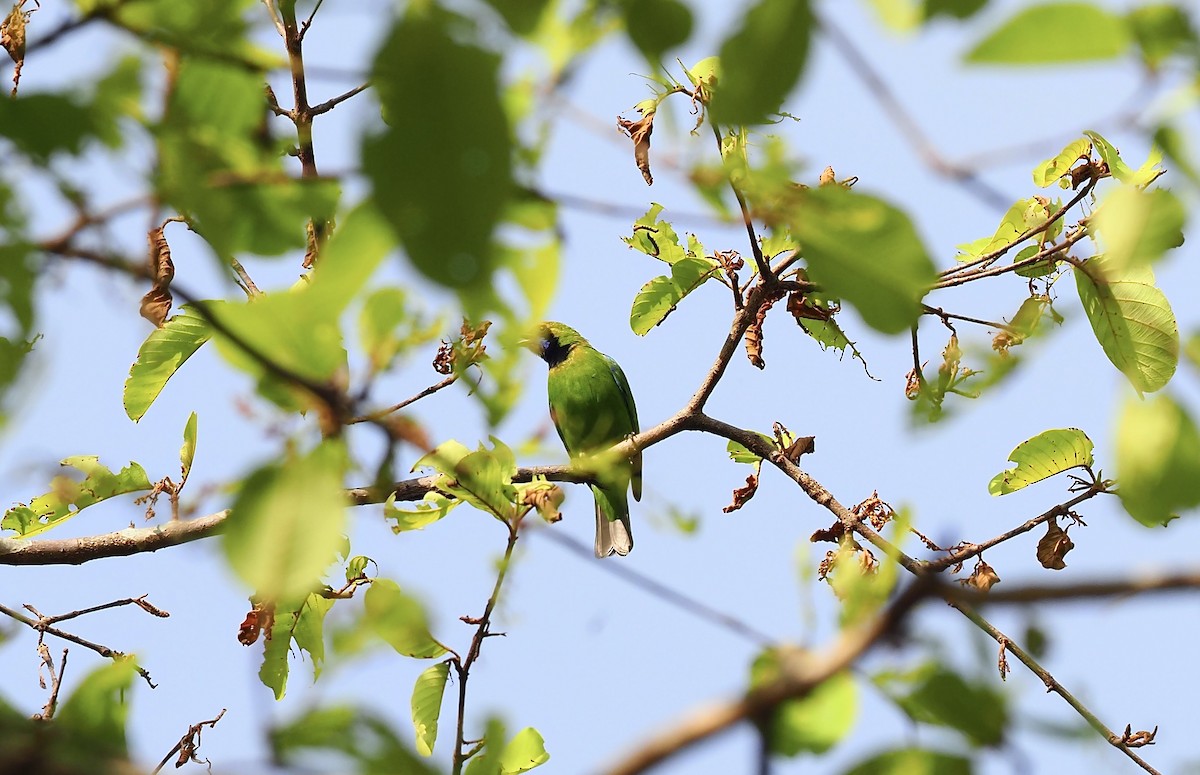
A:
[215,166]
[187,453]
[525,751]
[287,522]
[67,496]
[1158,460]
[739,454]
[427,705]
[42,125]
[656,238]
[160,356]
[1137,227]
[1132,320]
[814,723]
[762,60]
[1052,169]
[309,629]
[94,716]
[913,761]
[366,739]
[448,129]
[213,28]
[1162,30]
[482,478]
[1046,454]
[658,297]
[867,252]
[400,620]
[273,672]
[932,694]
[487,761]
[521,17]
[389,327]
[1054,33]
[1117,166]
[432,508]
[656,26]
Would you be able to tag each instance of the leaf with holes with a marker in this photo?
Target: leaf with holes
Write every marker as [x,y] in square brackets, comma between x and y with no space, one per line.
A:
[1046,454]
[67,496]
[659,297]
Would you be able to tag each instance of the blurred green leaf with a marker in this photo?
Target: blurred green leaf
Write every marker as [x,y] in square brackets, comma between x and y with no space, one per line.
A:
[1158,460]
[932,694]
[958,9]
[218,165]
[1054,33]
[1132,320]
[427,705]
[400,620]
[523,16]
[525,751]
[448,129]
[287,522]
[913,761]
[67,496]
[656,26]
[42,125]
[214,28]
[389,327]
[814,723]
[1175,146]
[1162,30]
[487,761]
[761,61]
[160,356]
[358,735]
[95,715]
[867,252]
[1137,227]
[1046,454]
[658,297]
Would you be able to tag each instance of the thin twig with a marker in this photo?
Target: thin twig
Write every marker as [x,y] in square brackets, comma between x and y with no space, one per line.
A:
[189,744]
[764,269]
[462,667]
[330,104]
[381,413]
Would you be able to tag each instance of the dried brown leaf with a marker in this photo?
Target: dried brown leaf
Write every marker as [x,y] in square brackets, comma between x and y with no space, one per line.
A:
[743,494]
[982,578]
[639,132]
[546,500]
[1053,547]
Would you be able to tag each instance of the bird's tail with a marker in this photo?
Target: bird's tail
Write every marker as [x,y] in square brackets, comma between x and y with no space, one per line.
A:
[612,535]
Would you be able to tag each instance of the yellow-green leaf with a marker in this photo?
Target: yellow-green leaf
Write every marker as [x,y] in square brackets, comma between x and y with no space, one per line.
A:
[1054,168]
[867,252]
[814,723]
[1054,33]
[187,453]
[68,496]
[1046,454]
[160,356]
[762,60]
[525,751]
[427,705]
[287,523]
[1137,227]
[658,297]
[1158,460]
[1132,320]
[400,620]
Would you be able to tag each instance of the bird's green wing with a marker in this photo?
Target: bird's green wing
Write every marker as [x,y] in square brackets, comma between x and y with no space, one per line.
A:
[631,410]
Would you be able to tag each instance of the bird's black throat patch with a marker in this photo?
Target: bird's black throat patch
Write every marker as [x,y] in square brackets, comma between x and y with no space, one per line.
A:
[554,352]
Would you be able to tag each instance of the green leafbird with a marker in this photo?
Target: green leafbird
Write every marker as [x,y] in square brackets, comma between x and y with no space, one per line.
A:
[592,408]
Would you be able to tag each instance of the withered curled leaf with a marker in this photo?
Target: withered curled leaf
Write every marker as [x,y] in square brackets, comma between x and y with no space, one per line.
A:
[743,494]
[1053,547]
[639,132]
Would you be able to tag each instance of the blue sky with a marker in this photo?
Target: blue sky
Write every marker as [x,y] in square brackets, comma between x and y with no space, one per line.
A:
[597,664]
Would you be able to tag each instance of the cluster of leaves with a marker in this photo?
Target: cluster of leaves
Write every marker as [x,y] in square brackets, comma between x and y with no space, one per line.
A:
[451,121]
